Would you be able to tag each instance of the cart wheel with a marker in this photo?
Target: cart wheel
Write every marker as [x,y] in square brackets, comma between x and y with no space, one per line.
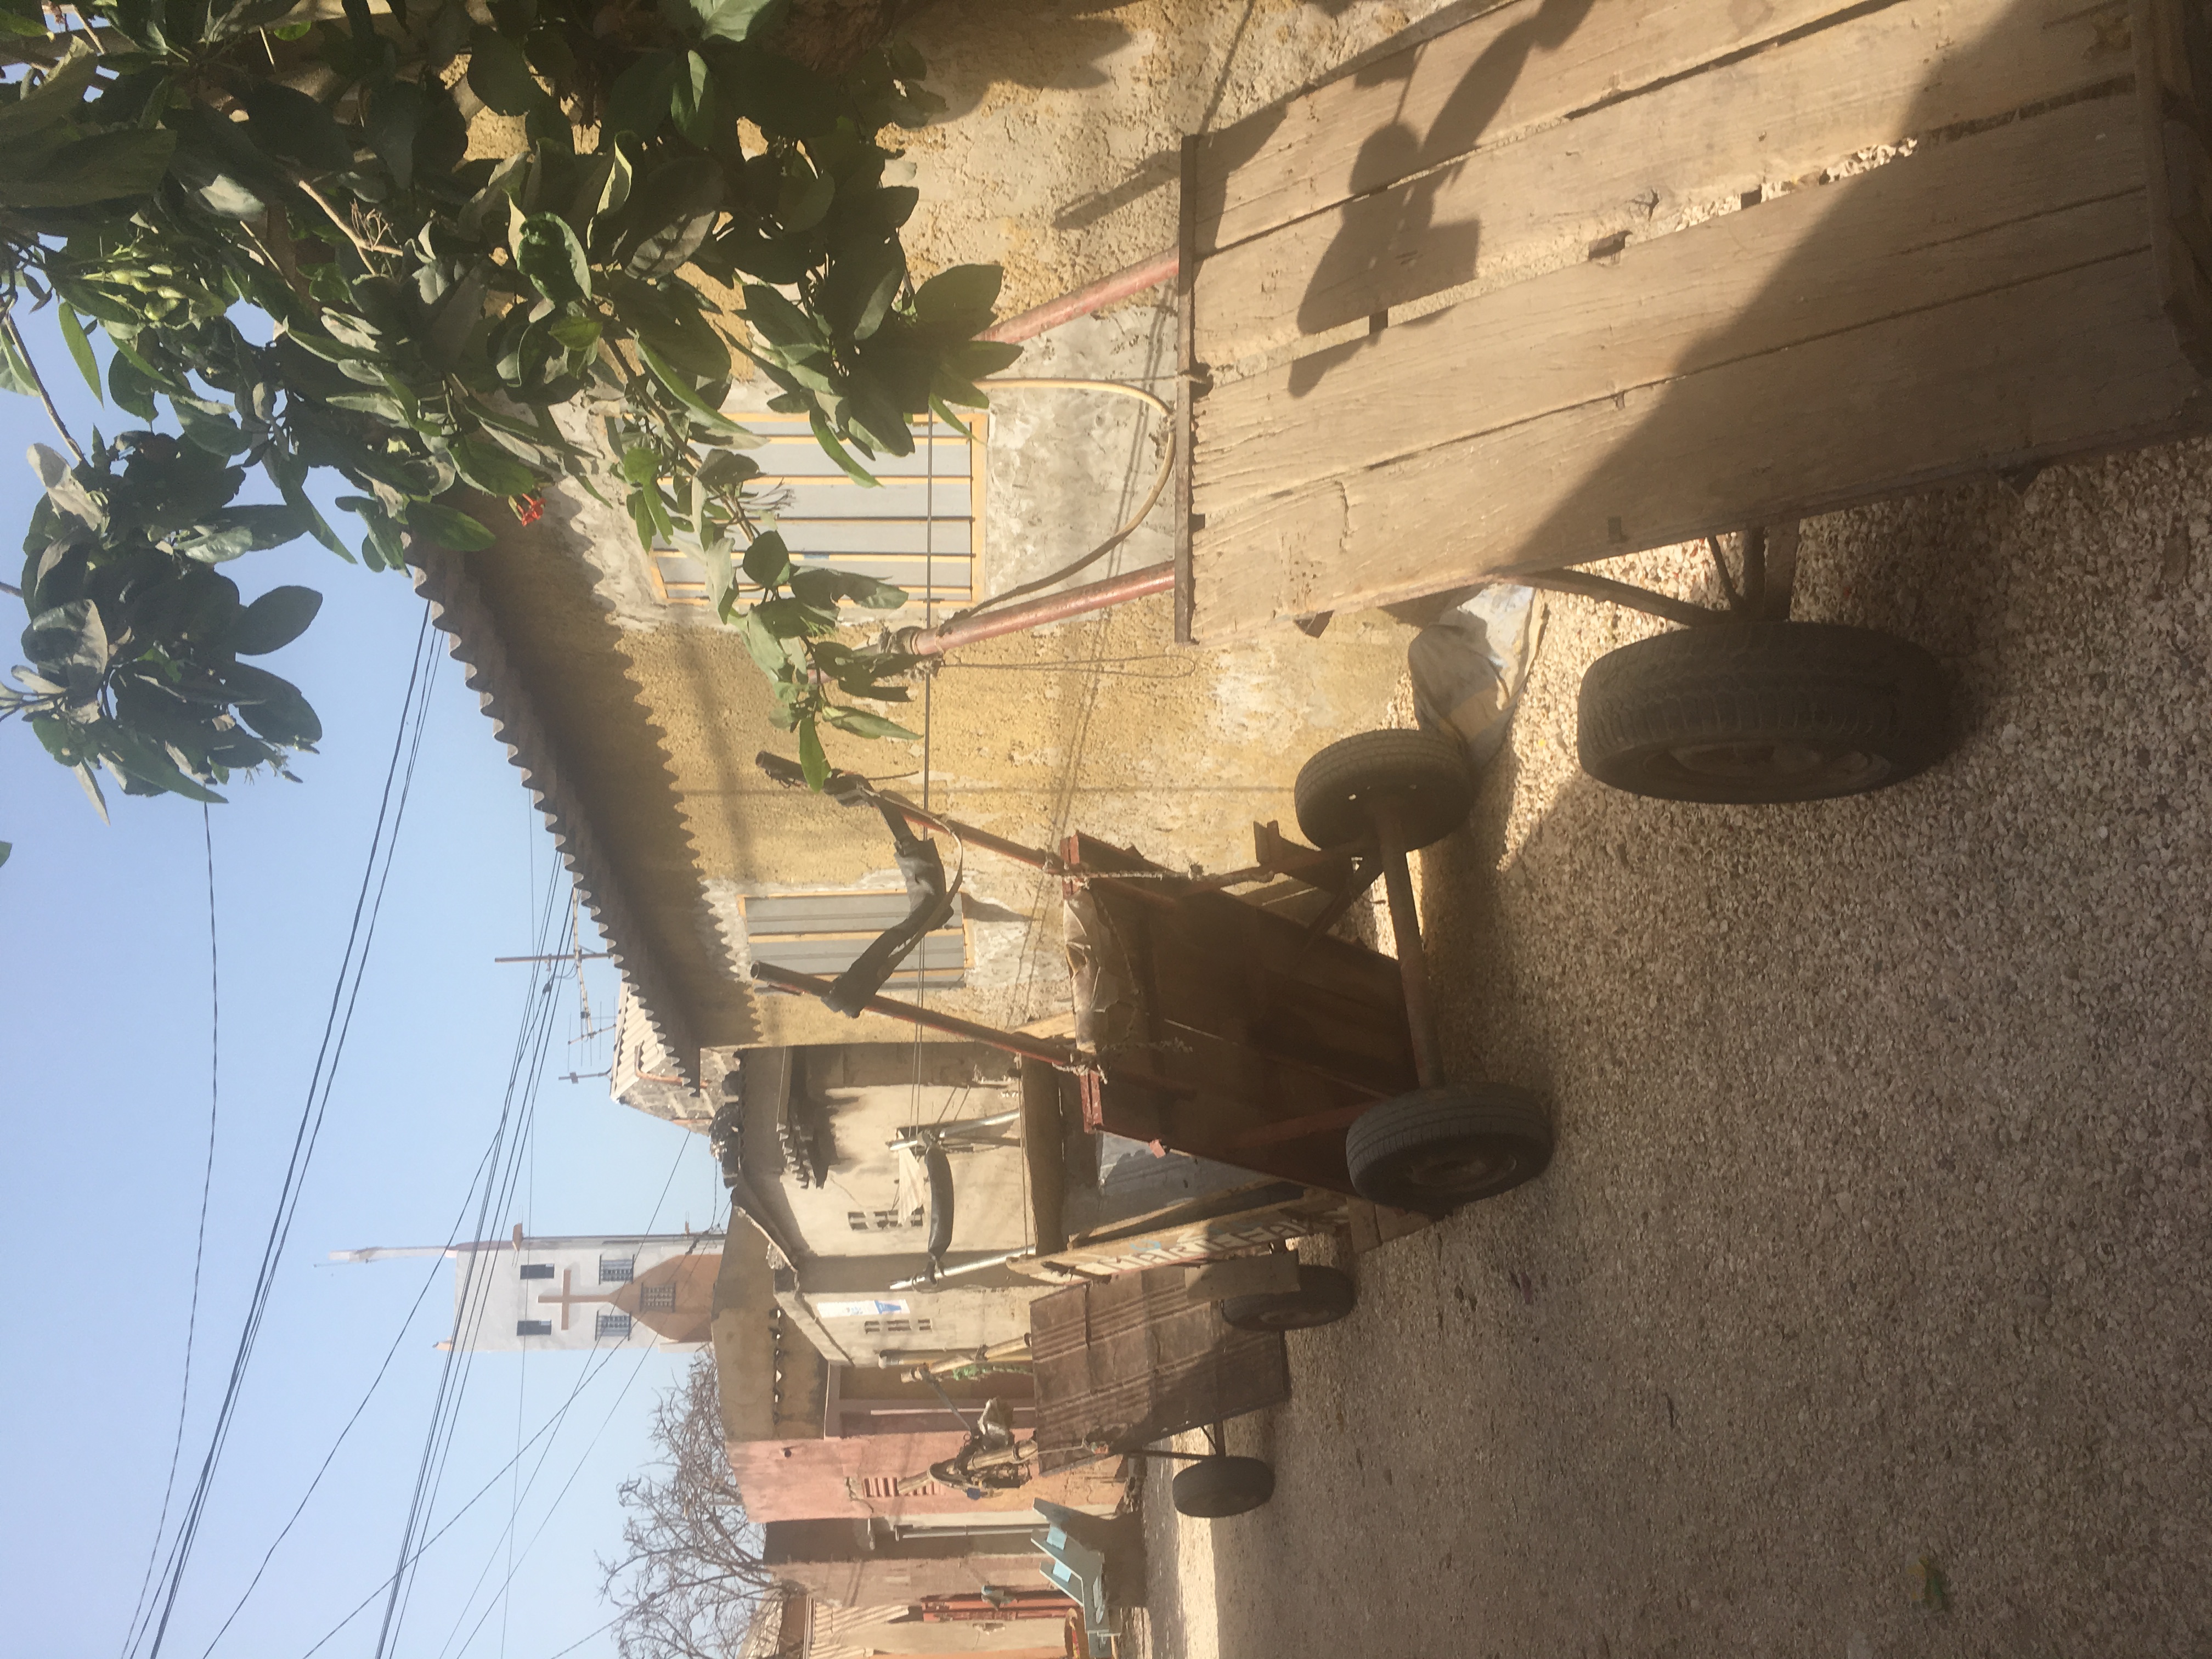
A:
[1218,1486]
[1425,774]
[1323,1296]
[1757,712]
[1435,1149]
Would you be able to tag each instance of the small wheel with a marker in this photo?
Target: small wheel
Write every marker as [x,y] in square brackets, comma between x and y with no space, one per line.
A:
[1425,774]
[1435,1149]
[1323,1296]
[1758,712]
[1220,1486]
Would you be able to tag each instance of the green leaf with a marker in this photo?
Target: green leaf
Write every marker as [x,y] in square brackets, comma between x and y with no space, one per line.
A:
[860,288]
[108,165]
[959,299]
[639,101]
[274,621]
[811,760]
[290,477]
[971,360]
[64,489]
[640,466]
[272,706]
[768,560]
[725,20]
[721,580]
[15,369]
[68,645]
[549,254]
[287,122]
[141,758]
[499,75]
[682,393]
[205,425]
[131,390]
[54,98]
[238,530]
[671,213]
[691,100]
[7,848]
[837,451]
[450,529]
[492,470]
[779,322]
[861,724]
[79,347]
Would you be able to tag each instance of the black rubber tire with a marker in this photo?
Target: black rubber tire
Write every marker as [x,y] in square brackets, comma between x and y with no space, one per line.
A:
[1435,1149]
[1754,712]
[939,1168]
[1425,774]
[1323,1296]
[1222,1487]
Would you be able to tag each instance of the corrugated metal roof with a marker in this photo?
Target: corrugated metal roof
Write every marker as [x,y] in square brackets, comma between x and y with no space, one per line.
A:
[459,611]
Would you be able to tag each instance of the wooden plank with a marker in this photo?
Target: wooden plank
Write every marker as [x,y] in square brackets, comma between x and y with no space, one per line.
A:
[1489,82]
[2178,172]
[1688,148]
[2020,201]
[1187,369]
[2080,360]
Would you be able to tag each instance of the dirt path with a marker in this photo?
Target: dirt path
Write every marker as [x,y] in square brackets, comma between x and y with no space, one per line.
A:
[1878,1229]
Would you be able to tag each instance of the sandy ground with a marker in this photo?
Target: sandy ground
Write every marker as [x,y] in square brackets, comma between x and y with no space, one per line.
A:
[1877,1235]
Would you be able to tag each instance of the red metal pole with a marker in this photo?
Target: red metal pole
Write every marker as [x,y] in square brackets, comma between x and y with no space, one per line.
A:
[1131,279]
[1050,1050]
[1034,613]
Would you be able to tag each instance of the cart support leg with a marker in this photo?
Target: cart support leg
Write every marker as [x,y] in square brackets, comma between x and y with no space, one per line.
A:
[1412,962]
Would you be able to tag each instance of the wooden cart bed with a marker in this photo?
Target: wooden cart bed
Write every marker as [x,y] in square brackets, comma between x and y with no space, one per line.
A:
[1583,277]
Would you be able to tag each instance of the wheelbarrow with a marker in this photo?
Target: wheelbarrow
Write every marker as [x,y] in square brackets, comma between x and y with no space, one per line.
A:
[1213,1027]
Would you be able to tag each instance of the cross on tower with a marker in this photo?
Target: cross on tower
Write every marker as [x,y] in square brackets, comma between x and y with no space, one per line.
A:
[566,1297]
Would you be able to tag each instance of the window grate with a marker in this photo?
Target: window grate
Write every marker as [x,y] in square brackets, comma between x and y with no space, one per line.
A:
[658,1298]
[610,1324]
[537,1270]
[617,1269]
[825,933]
[534,1328]
[920,529]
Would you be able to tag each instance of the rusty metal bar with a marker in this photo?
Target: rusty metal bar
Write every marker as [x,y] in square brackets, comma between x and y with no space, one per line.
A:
[1035,613]
[1405,923]
[968,833]
[1623,593]
[1093,296]
[1047,1050]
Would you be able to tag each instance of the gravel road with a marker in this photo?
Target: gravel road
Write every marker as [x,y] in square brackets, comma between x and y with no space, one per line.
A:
[1876,1243]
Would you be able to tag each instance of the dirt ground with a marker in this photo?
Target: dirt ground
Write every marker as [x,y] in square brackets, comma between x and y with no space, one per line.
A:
[1877,1236]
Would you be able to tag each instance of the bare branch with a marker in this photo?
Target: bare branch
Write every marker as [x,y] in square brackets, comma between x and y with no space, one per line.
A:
[23,355]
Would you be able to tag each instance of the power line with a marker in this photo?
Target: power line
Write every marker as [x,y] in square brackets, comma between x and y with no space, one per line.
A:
[359,937]
[199,1241]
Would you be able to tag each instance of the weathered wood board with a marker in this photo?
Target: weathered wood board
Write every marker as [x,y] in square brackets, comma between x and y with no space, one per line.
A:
[2018,284]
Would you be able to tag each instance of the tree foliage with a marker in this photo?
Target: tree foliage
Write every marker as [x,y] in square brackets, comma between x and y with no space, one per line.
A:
[273,217]
[690,1578]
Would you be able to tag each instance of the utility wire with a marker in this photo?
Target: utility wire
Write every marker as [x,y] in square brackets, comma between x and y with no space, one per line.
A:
[338,1022]
[199,1241]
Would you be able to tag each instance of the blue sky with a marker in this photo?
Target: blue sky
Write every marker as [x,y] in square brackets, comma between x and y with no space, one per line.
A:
[106,929]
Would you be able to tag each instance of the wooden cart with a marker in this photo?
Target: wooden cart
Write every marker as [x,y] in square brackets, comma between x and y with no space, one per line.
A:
[1575,278]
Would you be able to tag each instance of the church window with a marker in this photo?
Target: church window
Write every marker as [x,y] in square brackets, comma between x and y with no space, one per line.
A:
[825,933]
[537,1270]
[659,1298]
[616,1325]
[534,1328]
[617,1269]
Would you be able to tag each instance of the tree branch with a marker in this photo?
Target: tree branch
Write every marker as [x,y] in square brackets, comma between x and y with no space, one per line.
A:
[23,355]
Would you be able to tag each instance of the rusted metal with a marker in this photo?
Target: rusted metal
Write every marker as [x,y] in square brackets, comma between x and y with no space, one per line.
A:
[1622,593]
[1406,925]
[1050,1050]
[1092,296]
[1035,613]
